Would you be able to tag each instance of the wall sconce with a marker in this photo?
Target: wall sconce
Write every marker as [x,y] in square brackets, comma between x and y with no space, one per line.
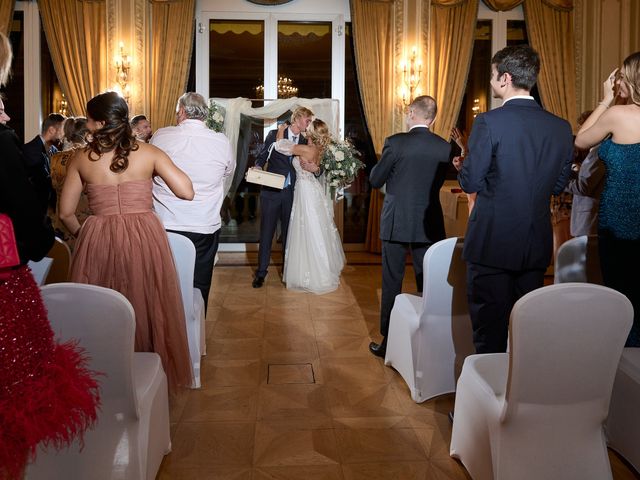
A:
[63,105]
[411,74]
[123,65]
[476,107]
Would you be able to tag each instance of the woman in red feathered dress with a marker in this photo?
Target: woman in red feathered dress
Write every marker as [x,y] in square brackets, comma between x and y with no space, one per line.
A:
[47,395]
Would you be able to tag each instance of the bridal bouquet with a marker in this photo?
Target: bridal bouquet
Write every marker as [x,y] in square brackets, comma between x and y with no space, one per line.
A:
[341,165]
[215,117]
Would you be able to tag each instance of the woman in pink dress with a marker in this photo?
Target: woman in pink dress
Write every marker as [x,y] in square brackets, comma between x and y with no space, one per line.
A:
[123,245]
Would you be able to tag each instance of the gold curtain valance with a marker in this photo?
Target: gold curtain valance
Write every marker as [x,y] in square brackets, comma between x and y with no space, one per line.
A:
[447,3]
[504,5]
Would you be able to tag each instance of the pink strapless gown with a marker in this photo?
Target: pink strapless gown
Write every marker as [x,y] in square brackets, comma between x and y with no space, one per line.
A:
[123,246]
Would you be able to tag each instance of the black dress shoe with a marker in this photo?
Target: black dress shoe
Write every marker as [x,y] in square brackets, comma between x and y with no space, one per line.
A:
[379,350]
[257,282]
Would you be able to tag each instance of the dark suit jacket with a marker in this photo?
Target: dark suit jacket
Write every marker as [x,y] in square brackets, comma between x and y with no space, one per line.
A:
[18,200]
[519,155]
[277,162]
[36,162]
[413,166]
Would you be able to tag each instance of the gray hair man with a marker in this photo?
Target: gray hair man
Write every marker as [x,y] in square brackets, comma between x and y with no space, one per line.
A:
[205,156]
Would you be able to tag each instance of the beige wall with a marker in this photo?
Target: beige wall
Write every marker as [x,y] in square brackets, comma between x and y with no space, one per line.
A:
[606,32]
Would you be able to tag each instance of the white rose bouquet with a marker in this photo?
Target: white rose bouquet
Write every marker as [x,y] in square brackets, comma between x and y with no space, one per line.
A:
[215,118]
[341,165]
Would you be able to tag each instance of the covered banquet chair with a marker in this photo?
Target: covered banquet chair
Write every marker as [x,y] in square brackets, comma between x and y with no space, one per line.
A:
[578,260]
[131,435]
[184,256]
[623,424]
[538,411]
[430,337]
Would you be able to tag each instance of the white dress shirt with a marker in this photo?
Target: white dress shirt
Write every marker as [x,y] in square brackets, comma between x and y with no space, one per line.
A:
[205,156]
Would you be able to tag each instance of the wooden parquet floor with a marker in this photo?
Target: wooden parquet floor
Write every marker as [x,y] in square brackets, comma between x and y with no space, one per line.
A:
[290,391]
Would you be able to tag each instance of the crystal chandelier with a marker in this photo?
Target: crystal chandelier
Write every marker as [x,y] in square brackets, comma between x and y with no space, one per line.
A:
[286,89]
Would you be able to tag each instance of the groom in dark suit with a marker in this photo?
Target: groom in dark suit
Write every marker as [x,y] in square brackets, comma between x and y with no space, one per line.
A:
[276,204]
[519,155]
[413,166]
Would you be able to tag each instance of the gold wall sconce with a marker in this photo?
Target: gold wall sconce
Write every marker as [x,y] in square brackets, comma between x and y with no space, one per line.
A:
[411,73]
[123,66]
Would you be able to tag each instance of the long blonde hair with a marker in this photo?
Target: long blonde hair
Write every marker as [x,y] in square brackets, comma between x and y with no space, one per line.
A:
[631,76]
[318,133]
[6,54]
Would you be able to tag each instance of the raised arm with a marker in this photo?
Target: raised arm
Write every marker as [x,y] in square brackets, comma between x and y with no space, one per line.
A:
[599,125]
[70,196]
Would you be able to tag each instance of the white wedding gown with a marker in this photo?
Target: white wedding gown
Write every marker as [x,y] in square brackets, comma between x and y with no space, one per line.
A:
[314,256]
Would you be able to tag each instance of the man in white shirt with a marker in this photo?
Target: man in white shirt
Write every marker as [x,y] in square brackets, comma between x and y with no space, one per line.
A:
[205,156]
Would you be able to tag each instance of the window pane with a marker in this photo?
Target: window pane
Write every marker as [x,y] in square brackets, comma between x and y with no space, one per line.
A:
[14,90]
[236,57]
[304,59]
[356,198]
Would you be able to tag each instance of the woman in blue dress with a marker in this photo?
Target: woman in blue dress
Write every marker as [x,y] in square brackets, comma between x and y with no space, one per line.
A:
[618,127]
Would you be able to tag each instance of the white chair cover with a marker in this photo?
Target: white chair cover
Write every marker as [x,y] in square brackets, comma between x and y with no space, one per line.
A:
[538,411]
[623,424]
[132,433]
[578,260]
[184,257]
[40,269]
[430,337]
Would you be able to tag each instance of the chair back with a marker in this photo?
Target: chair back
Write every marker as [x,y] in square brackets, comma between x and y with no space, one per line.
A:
[40,269]
[444,301]
[565,344]
[61,255]
[184,258]
[103,322]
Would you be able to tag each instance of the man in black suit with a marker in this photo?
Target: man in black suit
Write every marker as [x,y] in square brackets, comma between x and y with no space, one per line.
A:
[36,155]
[276,204]
[413,166]
[519,155]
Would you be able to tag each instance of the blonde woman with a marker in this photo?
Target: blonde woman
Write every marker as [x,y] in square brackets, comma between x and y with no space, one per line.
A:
[314,257]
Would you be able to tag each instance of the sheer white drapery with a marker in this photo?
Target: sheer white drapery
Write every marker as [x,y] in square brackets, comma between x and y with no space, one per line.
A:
[325,109]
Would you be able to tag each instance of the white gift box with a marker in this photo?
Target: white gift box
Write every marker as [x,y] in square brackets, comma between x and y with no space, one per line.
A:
[268,179]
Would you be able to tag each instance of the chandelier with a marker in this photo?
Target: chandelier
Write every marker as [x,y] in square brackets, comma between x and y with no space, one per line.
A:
[286,89]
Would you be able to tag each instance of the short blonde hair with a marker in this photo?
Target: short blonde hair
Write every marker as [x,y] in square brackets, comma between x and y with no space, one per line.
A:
[631,76]
[6,55]
[300,112]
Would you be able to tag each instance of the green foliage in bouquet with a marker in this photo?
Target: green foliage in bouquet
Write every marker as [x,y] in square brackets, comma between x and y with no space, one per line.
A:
[341,164]
[215,118]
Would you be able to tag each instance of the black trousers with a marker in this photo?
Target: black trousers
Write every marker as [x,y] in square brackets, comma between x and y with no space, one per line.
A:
[206,248]
[274,206]
[393,260]
[492,292]
[620,261]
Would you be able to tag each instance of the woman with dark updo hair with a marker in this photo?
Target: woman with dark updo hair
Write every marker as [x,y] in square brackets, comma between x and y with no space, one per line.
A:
[123,245]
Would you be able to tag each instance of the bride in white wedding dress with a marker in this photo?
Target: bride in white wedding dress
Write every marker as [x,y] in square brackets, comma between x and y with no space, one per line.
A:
[314,256]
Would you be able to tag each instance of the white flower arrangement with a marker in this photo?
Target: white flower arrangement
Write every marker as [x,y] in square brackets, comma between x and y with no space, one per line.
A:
[215,117]
[341,165]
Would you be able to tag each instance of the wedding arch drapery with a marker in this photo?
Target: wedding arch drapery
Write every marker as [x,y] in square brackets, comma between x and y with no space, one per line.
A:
[325,109]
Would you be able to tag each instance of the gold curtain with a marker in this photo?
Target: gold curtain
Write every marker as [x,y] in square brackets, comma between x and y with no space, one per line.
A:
[373,34]
[450,45]
[502,5]
[551,34]
[6,15]
[172,32]
[76,35]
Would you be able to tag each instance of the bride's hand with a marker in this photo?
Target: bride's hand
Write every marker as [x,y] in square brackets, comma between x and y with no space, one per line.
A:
[281,128]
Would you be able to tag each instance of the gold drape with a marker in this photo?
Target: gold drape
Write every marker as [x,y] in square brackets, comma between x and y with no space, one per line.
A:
[373,34]
[551,34]
[172,40]
[504,5]
[76,35]
[6,15]
[449,55]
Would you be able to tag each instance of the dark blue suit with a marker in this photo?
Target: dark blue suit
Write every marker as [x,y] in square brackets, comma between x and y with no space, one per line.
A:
[413,167]
[519,155]
[36,161]
[274,204]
